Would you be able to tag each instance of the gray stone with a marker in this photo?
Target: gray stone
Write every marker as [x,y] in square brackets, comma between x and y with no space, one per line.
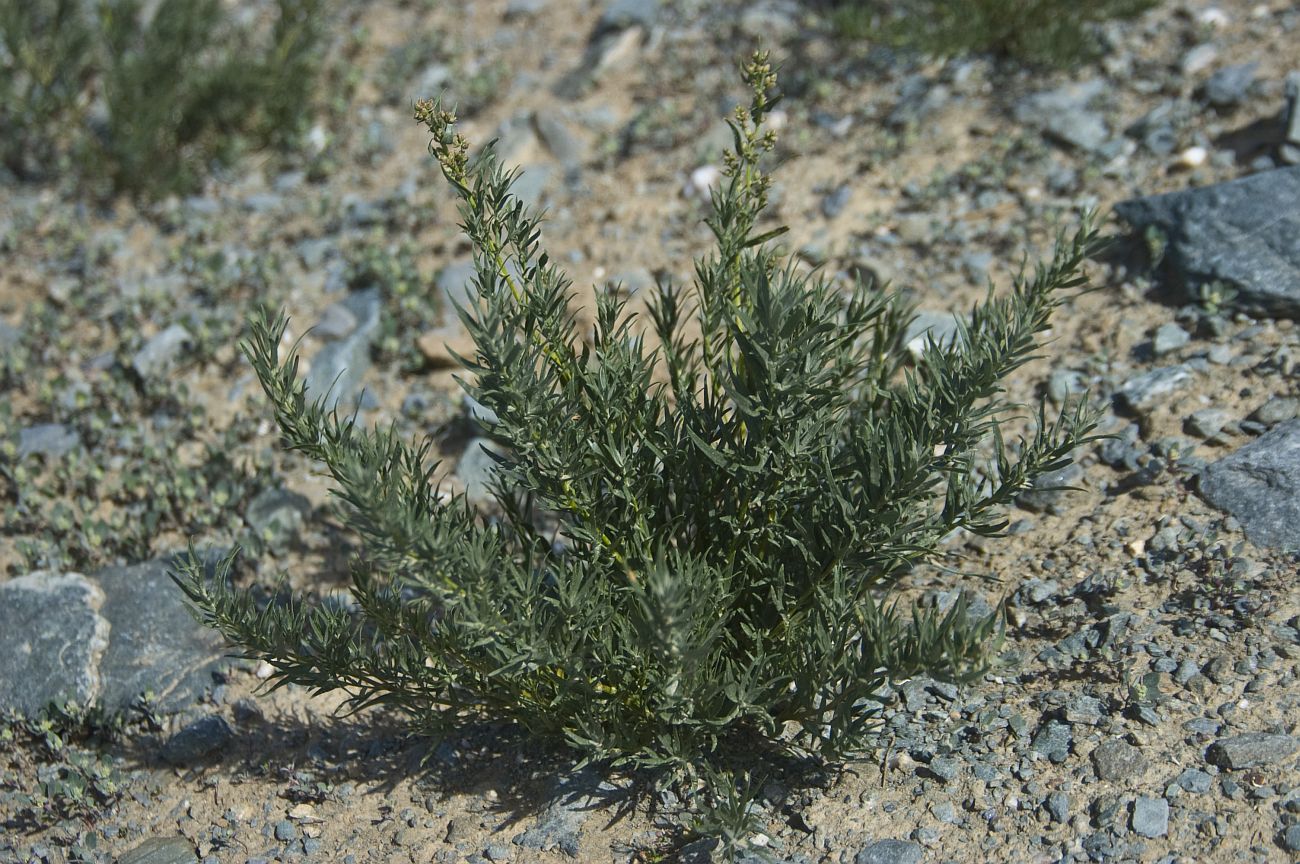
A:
[154,644]
[277,515]
[532,185]
[621,14]
[941,327]
[1291,120]
[476,468]
[159,355]
[1229,85]
[339,367]
[1057,805]
[834,203]
[1169,338]
[1251,750]
[945,768]
[1194,780]
[1241,233]
[1053,740]
[1276,411]
[1291,838]
[633,282]
[1141,393]
[197,740]
[890,852]
[161,850]
[1207,422]
[285,831]
[1259,484]
[524,8]
[1150,817]
[1049,490]
[1064,383]
[1117,760]
[560,140]
[52,637]
[455,284]
[1064,114]
[560,825]
[52,440]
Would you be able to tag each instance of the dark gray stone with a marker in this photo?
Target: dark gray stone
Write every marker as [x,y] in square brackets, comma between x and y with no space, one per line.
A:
[161,850]
[47,439]
[1242,232]
[196,741]
[285,831]
[1259,484]
[834,203]
[1230,84]
[160,354]
[890,852]
[1276,411]
[339,367]
[476,468]
[1117,760]
[1057,805]
[1251,750]
[1150,817]
[1053,740]
[1051,489]
[52,637]
[1291,838]
[154,644]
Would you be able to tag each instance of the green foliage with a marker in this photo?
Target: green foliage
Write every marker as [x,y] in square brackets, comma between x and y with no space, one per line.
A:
[1040,32]
[182,88]
[735,494]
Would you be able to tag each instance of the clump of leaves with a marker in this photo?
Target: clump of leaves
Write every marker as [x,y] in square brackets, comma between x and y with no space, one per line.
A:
[736,495]
[1041,32]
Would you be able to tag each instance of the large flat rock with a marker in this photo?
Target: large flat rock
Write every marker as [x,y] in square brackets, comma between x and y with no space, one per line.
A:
[1260,485]
[104,639]
[1244,233]
[52,637]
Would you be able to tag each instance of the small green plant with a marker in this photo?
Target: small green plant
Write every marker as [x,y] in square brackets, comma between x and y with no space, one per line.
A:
[183,87]
[1040,32]
[735,495]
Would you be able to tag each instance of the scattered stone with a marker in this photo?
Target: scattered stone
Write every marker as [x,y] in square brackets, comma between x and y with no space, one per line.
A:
[52,637]
[1194,780]
[1057,805]
[1251,750]
[1276,411]
[1259,484]
[1117,760]
[834,203]
[51,440]
[1169,338]
[1144,392]
[476,468]
[621,14]
[560,140]
[1064,114]
[940,327]
[199,739]
[1291,838]
[1150,817]
[285,831]
[1053,740]
[340,366]
[1229,85]
[890,852]
[161,850]
[1207,423]
[277,515]
[159,355]
[1240,233]
[1049,490]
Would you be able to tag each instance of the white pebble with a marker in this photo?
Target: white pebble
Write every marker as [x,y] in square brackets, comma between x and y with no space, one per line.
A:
[704,178]
[1193,157]
[264,670]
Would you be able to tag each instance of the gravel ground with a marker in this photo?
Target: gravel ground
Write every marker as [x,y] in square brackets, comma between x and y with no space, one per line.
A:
[1148,709]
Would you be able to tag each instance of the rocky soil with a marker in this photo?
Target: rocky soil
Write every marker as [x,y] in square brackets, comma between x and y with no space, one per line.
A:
[1149,705]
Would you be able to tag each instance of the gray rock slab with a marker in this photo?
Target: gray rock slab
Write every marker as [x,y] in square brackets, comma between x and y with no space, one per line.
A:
[160,354]
[1244,232]
[1141,393]
[1117,760]
[154,643]
[890,852]
[1260,485]
[1250,750]
[1150,817]
[52,637]
[197,740]
[161,850]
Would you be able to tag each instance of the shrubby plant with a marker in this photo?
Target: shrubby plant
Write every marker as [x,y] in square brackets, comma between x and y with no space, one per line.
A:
[181,89]
[735,492]
[1041,32]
